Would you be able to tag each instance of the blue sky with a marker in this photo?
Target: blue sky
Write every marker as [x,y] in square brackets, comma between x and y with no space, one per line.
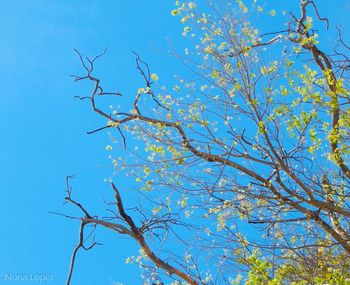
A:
[43,135]
[43,129]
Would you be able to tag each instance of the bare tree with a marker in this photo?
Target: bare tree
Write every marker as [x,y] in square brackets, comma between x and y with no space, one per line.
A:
[246,164]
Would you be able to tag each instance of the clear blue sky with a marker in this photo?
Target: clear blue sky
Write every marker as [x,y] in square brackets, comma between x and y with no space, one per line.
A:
[42,128]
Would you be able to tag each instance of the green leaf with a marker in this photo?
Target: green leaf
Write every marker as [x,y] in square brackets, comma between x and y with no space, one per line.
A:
[214,74]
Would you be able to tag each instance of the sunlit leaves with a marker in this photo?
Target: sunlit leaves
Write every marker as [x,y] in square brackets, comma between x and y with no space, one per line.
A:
[244,144]
[272,13]
[154,76]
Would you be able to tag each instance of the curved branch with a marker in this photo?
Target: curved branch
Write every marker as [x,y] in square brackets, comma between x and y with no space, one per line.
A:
[142,242]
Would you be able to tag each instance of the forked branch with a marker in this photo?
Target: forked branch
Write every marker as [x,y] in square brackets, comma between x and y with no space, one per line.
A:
[129,229]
